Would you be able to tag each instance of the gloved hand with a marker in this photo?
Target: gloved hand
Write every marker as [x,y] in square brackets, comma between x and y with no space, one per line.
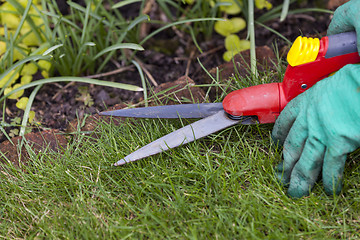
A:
[317,130]
[346,19]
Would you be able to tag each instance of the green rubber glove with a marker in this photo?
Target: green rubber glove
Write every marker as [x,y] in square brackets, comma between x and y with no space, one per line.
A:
[317,130]
[346,19]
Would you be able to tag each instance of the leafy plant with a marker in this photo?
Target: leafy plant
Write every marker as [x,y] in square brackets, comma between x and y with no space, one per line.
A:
[28,45]
[84,96]
[229,26]
[21,32]
[90,37]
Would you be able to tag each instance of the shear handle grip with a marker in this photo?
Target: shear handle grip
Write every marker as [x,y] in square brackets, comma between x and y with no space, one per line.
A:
[335,52]
[341,44]
[266,101]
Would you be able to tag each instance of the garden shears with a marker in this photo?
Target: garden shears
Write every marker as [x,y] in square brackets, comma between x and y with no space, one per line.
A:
[310,60]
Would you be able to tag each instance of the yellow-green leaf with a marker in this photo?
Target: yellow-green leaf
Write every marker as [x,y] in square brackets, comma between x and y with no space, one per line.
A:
[17,94]
[31,116]
[26,79]
[232,9]
[21,104]
[7,90]
[229,26]
[224,28]
[10,20]
[260,4]
[44,65]
[238,24]
[228,55]
[17,55]
[45,74]
[31,40]
[29,69]
[2,47]
[233,43]
[190,2]
[11,75]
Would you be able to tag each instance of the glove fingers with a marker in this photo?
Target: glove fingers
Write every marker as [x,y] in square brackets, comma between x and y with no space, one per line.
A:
[346,18]
[285,121]
[307,169]
[341,22]
[293,147]
[333,170]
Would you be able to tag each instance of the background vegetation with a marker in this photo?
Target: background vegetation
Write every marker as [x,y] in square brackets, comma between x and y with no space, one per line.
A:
[220,187]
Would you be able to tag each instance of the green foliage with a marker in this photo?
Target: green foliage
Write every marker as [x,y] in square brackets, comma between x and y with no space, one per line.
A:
[21,32]
[220,187]
[235,24]
[90,36]
[34,38]
[84,96]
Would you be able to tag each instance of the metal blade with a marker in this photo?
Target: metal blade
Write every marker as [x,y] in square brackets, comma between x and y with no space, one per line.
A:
[185,135]
[200,110]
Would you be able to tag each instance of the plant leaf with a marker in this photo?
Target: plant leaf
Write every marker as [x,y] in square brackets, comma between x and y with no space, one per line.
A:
[133,46]
[52,49]
[74,79]
[124,3]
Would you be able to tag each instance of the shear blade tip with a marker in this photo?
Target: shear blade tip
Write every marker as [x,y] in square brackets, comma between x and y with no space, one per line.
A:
[104,113]
[120,162]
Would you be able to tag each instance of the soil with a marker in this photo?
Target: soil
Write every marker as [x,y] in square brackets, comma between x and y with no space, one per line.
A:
[56,112]
[56,105]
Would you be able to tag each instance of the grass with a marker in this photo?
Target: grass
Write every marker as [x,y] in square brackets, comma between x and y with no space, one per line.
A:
[220,187]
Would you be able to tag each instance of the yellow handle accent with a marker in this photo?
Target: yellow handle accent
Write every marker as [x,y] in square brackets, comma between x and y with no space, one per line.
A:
[303,50]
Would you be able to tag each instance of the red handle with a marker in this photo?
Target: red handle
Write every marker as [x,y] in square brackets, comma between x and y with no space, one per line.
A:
[266,101]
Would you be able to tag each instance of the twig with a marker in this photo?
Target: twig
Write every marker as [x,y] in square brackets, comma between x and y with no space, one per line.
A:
[148,6]
[119,70]
[62,90]
[211,51]
[204,54]
[192,53]
[115,63]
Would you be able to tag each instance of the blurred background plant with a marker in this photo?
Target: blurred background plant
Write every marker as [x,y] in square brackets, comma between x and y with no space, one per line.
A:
[38,41]
[232,23]
[237,14]
[22,31]
[89,37]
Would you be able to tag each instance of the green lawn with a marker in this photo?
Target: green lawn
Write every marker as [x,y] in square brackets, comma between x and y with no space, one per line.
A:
[220,187]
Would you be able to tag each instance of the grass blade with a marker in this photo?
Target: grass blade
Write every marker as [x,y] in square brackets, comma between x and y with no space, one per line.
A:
[177,23]
[27,110]
[133,46]
[284,10]
[124,3]
[137,21]
[251,28]
[74,79]
[142,77]
[52,49]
